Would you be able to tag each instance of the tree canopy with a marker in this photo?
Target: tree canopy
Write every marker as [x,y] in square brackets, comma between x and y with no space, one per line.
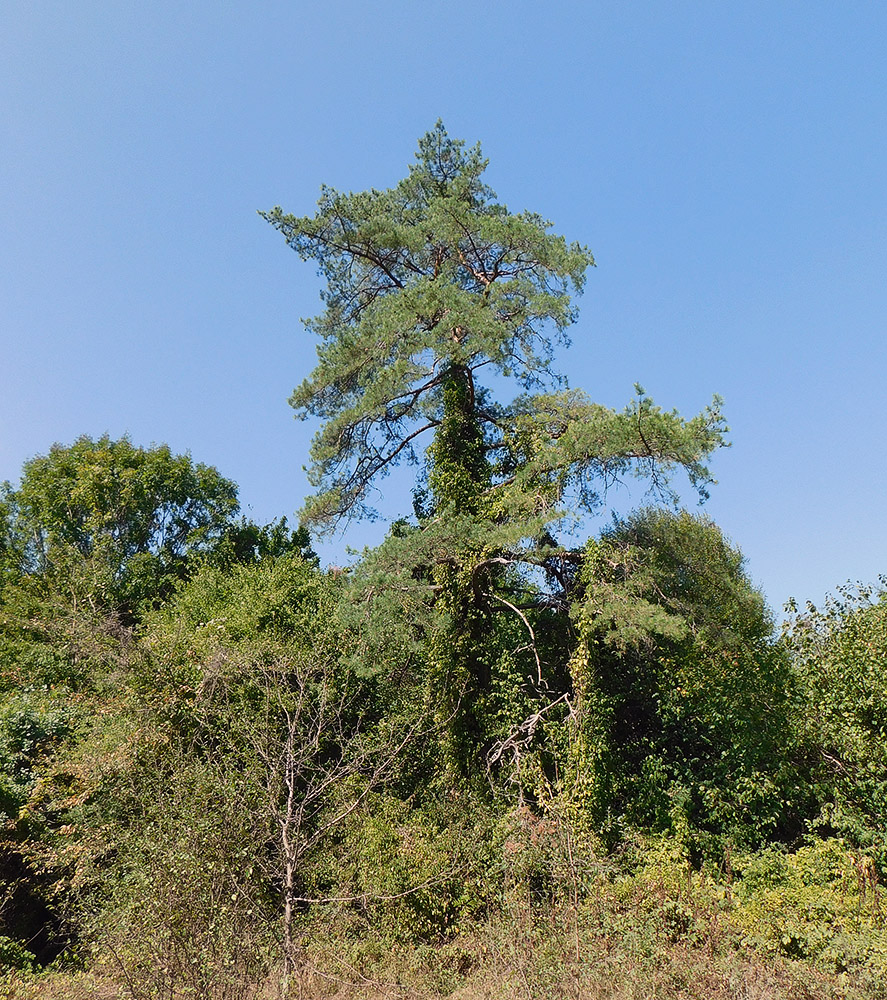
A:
[136,514]
[428,284]
[432,288]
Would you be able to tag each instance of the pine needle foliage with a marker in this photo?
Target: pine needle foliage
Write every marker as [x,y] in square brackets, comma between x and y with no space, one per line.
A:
[428,284]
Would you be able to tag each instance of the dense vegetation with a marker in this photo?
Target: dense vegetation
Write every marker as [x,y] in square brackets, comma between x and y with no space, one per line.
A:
[484,760]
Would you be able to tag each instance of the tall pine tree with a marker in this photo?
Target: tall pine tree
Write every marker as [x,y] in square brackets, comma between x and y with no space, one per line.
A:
[430,285]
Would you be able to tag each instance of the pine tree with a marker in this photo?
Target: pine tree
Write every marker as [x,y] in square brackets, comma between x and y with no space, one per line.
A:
[429,285]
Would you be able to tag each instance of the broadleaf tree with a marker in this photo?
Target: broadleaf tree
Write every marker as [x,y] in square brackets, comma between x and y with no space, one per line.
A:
[134,518]
[431,287]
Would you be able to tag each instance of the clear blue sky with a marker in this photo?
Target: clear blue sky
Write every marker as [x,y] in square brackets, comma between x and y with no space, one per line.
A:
[725,162]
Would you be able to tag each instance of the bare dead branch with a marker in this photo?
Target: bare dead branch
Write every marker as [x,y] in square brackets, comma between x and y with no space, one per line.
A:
[523,733]
[523,618]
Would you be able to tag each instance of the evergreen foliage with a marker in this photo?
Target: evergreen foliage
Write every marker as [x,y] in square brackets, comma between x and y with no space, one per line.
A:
[427,284]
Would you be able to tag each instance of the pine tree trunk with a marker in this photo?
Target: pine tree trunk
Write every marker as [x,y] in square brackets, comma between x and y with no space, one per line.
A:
[459,478]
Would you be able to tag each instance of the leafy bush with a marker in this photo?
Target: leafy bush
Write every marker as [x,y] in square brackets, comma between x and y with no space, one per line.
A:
[840,660]
[684,695]
[413,875]
[14,955]
[821,902]
[31,727]
[180,905]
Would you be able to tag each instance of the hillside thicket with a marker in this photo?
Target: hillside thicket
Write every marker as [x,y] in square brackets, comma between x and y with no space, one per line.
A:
[484,760]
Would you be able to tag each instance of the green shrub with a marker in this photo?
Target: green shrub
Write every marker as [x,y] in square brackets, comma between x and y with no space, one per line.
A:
[840,659]
[14,956]
[414,875]
[32,726]
[821,903]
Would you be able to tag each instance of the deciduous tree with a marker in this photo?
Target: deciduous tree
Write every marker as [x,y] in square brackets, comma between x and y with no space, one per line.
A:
[133,516]
[684,696]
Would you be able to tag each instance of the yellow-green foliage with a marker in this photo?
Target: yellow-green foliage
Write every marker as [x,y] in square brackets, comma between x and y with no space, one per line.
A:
[821,902]
[413,874]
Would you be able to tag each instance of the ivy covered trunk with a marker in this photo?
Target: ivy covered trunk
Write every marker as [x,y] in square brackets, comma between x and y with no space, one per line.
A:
[460,671]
